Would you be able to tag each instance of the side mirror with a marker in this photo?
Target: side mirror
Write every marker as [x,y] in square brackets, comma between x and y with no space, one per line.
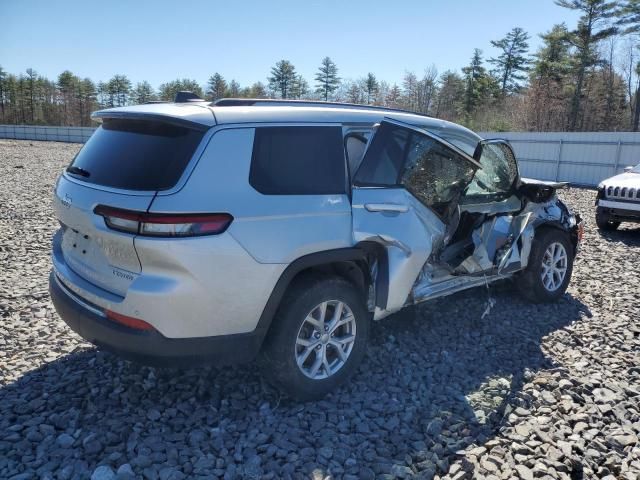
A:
[627,169]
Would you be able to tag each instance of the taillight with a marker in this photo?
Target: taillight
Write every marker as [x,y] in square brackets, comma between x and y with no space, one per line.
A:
[164,224]
[580,231]
[130,322]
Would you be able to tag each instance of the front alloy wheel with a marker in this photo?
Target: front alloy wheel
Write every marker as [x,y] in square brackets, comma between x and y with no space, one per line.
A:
[549,266]
[554,266]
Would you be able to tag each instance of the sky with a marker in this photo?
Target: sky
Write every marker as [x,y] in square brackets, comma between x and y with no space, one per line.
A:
[162,40]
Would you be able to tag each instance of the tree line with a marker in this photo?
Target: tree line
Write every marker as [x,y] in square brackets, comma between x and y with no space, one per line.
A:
[582,78]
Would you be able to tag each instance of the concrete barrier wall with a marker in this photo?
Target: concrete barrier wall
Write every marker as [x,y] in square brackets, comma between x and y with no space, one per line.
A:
[55,134]
[584,158]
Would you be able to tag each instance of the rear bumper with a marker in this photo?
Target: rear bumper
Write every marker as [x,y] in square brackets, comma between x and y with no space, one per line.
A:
[149,347]
[619,211]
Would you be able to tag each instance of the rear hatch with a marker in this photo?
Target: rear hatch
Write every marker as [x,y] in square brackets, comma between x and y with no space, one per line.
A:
[123,165]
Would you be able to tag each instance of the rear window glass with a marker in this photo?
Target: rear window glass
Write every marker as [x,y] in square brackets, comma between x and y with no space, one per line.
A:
[136,154]
[298,161]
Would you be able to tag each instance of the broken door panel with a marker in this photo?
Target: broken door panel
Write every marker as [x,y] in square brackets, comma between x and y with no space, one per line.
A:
[405,198]
[408,231]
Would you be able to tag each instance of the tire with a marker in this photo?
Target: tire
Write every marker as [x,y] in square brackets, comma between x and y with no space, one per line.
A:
[534,283]
[604,223]
[292,326]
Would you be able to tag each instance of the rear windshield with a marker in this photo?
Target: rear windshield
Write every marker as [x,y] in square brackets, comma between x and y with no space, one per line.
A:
[136,154]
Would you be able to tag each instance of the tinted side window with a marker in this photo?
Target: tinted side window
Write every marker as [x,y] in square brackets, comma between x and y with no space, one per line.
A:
[434,173]
[384,157]
[298,161]
[137,154]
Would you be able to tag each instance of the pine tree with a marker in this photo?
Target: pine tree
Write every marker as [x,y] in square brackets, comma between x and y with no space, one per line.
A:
[371,86]
[592,28]
[299,88]
[410,91]
[216,87]
[86,99]
[513,62]
[167,91]
[143,93]
[233,90]
[451,96]
[327,80]
[257,90]
[394,97]
[67,85]
[283,75]
[11,83]
[553,59]
[119,88]
[549,79]
[102,94]
[629,17]
[32,77]
[3,93]
[427,90]
[479,85]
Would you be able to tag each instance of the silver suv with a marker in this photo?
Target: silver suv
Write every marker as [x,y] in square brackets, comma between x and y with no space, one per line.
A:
[195,232]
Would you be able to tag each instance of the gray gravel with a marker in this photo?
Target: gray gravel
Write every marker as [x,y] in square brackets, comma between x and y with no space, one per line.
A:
[528,391]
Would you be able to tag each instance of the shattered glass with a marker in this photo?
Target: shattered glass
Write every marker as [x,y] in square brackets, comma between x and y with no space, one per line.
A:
[498,172]
[434,173]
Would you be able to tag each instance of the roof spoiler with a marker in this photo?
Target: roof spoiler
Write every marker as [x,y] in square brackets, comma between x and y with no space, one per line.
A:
[186,97]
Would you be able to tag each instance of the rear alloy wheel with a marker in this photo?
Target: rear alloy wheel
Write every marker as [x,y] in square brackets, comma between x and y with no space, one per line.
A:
[549,267]
[317,339]
[325,339]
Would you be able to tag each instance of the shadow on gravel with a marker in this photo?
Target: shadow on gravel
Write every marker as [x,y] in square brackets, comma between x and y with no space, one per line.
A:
[627,234]
[436,380]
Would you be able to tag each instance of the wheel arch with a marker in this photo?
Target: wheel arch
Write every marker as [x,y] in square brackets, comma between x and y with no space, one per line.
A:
[572,232]
[353,264]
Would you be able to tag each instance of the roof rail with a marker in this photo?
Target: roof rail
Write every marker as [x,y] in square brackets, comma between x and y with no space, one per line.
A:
[275,102]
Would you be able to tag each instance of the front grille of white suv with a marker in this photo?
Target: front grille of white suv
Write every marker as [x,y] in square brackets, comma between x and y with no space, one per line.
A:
[623,193]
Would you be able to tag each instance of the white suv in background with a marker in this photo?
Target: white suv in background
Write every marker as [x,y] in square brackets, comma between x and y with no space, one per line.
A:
[619,199]
[196,232]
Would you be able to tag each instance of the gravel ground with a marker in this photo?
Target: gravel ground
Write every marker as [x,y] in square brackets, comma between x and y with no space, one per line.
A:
[528,391]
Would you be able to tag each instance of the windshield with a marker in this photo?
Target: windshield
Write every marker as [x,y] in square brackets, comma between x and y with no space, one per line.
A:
[635,169]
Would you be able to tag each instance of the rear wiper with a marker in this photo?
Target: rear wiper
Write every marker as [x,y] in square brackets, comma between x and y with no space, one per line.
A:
[78,171]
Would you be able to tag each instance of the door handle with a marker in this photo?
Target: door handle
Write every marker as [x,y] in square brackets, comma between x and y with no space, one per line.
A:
[386,207]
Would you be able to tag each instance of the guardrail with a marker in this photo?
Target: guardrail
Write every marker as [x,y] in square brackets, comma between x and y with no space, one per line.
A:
[583,158]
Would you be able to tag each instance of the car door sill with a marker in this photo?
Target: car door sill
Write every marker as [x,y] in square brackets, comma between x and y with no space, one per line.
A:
[429,291]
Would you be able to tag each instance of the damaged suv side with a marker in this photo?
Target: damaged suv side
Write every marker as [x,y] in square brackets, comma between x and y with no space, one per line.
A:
[281,229]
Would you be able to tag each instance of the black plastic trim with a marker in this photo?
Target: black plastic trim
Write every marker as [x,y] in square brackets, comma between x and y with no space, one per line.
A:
[180,122]
[621,214]
[151,347]
[312,260]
